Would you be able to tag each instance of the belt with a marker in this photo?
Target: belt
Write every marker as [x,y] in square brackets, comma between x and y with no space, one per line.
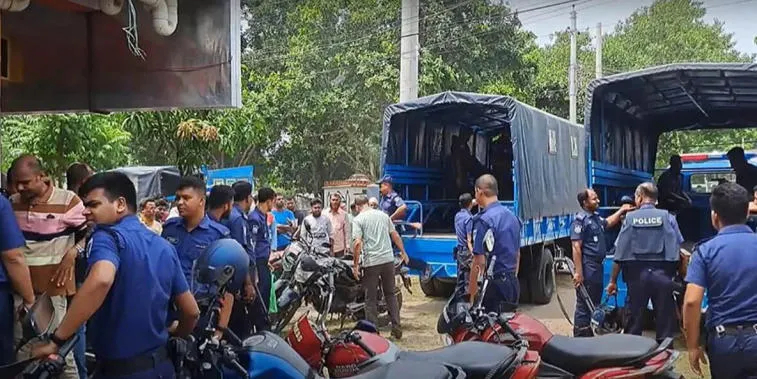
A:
[735,329]
[504,275]
[133,365]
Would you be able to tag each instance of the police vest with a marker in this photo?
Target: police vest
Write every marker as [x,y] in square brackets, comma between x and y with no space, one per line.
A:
[648,236]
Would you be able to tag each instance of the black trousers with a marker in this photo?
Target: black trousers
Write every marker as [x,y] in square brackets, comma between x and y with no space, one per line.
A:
[383,273]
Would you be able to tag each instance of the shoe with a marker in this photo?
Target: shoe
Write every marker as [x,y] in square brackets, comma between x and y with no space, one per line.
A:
[397,332]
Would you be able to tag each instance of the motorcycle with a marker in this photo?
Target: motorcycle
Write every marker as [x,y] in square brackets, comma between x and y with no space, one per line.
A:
[362,350]
[607,356]
[307,283]
[36,325]
[265,355]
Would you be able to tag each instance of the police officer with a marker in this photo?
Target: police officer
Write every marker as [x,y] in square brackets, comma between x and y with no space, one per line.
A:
[648,252]
[503,292]
[14,276]
[725,267]
[192,233]
[239,200]
[391,203]
[589,250]
[464,247]
[133,276]
[261,239]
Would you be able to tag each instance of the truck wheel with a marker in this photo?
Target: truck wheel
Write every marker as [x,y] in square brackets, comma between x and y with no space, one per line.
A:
[444,288]
[427,282]
[542,281]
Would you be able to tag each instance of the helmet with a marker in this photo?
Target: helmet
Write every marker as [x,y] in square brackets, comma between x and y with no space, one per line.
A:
[223,263]
[606,319]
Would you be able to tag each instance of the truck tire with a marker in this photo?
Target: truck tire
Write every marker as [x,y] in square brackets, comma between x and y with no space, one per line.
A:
[427,282]
[542,280]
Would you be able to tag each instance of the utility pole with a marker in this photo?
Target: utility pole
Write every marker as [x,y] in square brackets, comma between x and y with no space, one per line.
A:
[409,50]
[573,65]
[599,51]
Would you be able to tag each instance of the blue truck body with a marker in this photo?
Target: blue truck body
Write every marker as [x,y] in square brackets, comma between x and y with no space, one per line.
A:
[626,113]
[417,153]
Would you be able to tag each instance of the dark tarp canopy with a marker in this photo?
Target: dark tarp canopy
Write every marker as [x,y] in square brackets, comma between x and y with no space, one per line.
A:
[152,181]
[633,109]
[549,152]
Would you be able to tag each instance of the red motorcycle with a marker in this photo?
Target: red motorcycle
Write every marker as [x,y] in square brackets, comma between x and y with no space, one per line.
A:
[608,356]
[362,350]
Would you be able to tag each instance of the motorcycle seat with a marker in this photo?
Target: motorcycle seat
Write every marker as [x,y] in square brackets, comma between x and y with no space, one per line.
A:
[581,355]
[475,358]
[407,369]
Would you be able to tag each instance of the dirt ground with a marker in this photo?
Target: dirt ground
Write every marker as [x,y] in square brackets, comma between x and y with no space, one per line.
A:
[420,314]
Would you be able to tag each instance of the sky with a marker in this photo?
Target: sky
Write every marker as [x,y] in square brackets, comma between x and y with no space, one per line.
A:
[736,14]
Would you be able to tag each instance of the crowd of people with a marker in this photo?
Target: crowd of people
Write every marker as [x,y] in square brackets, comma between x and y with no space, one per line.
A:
[121,275]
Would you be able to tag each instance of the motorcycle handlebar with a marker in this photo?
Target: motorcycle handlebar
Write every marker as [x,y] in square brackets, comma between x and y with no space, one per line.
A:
[231,336]
[47,369]
[355,338]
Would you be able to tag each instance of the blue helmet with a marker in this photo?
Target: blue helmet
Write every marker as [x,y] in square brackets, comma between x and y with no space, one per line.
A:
[223,263]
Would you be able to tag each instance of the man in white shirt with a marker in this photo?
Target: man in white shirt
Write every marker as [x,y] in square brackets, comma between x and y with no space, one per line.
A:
[317,229]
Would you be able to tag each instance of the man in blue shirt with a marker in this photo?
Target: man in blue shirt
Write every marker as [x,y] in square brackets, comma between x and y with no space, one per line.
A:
[391,203]
[14,276]
[285,223]
[261,241]
[587,235]
[464,247]
[725,267]
[503,292]
[648,250]
[133,277]
[193,231]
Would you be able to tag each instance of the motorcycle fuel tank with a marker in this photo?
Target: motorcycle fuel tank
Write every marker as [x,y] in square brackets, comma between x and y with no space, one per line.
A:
[531,330]
[307,342]
[343,359]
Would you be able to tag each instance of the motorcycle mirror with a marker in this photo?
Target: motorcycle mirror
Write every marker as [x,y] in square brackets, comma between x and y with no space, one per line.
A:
[489,241]
[39,319]
[366,326]
[309,264]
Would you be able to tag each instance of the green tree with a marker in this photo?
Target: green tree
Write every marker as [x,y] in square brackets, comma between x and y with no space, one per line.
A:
[59,140]
[325,70]
[668,31]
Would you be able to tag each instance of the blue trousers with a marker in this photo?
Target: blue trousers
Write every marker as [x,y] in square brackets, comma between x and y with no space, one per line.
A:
[733,356]
[80,351]
[593,272]
[260,316]
[502,293]
[655,283]
[463,258]
[6,325]
[164,370]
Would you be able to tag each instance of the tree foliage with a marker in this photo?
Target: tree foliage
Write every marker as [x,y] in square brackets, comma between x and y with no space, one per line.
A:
[59,140]
[317,76]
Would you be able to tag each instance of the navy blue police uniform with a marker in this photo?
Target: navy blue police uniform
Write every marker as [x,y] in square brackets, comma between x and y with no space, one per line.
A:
[725,266]
[261,246]
[390,203]
[503,292]
[128,332]
[648,252]
[190,244]
[244,316]
[462,254]
[589,228]
[10,238]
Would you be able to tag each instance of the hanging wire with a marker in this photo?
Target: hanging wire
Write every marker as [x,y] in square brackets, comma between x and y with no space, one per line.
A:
[132,34]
